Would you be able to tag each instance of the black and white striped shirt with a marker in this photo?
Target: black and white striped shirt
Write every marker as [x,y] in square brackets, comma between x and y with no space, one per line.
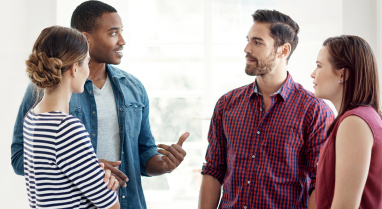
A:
[60,165]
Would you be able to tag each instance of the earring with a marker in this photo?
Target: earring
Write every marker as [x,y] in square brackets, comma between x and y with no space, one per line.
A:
[340,80]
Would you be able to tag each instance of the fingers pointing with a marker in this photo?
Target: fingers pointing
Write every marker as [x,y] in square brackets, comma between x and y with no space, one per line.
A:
[183,138]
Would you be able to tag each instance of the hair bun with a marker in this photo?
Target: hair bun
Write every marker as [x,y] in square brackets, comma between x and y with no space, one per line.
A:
[44,71]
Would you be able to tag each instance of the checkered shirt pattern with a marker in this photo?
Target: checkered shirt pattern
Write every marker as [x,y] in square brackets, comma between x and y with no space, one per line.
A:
[266,159]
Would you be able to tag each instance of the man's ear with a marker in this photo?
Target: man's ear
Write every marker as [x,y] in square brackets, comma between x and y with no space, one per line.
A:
[284,50]
[87,35]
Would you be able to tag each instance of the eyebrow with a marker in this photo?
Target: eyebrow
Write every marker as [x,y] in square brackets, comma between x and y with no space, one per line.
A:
[256,38]
[114,28]
[318,62]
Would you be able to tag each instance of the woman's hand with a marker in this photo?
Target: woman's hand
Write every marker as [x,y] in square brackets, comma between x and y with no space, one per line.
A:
[113,182]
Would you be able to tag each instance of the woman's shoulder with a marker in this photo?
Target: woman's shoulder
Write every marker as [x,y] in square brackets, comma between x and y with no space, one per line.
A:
[367,113]
[363,115]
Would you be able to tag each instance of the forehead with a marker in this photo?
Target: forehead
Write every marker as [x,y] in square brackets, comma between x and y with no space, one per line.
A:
[260,30]
[109,20]
[323,55]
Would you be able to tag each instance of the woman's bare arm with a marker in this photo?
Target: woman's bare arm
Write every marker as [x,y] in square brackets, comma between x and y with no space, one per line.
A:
[353,153]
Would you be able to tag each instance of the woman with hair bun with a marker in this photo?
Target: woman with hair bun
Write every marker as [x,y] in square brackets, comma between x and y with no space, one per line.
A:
[60,165]
[349,170]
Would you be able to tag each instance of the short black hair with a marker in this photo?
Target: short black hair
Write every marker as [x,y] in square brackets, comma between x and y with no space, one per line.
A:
[86,16]
[283,28]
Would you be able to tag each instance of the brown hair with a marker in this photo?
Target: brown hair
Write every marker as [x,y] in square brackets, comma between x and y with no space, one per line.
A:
[55,51]
[361,86]
[283,28]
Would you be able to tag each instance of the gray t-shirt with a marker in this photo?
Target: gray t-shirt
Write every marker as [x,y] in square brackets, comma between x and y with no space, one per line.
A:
[108,142]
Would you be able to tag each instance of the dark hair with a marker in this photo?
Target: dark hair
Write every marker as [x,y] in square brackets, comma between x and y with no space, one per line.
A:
[85,17]
[283,28]
[361,85]
[55,51]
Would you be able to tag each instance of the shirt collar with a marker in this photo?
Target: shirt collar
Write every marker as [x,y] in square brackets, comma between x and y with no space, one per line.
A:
[112,72]
[284,91]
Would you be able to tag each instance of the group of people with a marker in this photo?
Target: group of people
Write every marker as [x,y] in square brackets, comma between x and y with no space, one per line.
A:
[82,136]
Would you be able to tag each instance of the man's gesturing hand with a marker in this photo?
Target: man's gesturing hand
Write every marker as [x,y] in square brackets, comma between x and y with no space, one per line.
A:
[173,155]
[119,175]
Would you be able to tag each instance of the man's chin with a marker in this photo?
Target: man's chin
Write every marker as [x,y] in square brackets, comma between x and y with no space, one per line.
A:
[251,72]
[114,61]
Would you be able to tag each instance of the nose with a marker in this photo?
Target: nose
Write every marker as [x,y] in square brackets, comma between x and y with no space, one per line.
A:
[313,75]
[247,49]
[121,40]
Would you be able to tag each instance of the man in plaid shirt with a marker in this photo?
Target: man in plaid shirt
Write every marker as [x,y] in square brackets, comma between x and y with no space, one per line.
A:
[265,137]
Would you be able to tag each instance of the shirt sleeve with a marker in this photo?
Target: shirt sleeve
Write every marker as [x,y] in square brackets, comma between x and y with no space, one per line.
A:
[320,116]
[17,147]
[76,158]
[216,155]
[146,141]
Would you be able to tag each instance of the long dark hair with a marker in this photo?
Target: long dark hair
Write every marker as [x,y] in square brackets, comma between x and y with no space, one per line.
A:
[361,86]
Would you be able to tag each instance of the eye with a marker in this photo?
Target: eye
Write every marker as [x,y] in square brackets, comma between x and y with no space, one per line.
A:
[257,43]
[114,33]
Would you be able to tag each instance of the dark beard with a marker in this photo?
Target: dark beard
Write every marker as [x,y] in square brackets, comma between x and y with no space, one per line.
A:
[261,67]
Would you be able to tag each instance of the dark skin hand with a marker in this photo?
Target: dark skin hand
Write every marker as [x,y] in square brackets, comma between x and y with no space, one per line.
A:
[117,174]
[173,155]
[170,159]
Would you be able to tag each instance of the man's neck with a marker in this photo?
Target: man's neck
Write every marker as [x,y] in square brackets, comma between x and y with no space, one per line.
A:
[97,71]
[97,74]
[271,82]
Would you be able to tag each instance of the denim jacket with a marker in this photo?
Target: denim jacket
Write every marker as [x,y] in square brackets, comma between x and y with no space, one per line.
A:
[137,141]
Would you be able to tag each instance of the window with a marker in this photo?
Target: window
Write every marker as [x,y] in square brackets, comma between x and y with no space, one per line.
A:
[188,54]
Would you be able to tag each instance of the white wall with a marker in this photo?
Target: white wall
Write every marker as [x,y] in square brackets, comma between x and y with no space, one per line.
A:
[21,22]
[363,18]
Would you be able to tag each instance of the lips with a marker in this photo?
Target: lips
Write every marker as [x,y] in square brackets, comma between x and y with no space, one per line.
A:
[250,59]
[119,52]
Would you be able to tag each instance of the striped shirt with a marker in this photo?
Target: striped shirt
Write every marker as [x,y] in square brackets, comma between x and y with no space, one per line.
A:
[266,159]
[60,165]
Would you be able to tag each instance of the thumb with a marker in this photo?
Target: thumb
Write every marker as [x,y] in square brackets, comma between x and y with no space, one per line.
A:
[102,165]
[183,138]
[116,163]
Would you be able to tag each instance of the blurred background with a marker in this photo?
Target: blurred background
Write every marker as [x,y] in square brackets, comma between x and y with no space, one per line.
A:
[187,53]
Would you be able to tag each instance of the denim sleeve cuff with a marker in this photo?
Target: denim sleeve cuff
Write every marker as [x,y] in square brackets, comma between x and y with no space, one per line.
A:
[144,157]
[218,174]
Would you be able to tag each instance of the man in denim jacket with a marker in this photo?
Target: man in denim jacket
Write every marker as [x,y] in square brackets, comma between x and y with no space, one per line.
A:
[130,140]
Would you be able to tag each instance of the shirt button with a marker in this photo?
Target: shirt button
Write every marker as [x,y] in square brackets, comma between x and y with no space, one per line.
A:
[123,153]
[93,112]
[245,207]
[123,196]
[93,135]
[121,109]
[90,92]
[258,132]
[253,156]
[261,109]
[249,182]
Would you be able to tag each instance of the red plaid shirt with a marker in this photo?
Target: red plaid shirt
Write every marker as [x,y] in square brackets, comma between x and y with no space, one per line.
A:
[266,159]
